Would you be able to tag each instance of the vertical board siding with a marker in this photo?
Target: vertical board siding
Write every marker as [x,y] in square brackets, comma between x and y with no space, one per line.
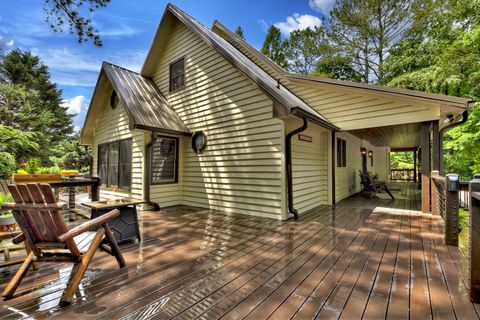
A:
[347,179]
[349,109]
[112,125]
[169,194]
[309,167]
[241,169]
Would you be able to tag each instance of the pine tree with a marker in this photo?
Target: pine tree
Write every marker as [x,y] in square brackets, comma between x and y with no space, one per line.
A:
[274,48]
[239,32]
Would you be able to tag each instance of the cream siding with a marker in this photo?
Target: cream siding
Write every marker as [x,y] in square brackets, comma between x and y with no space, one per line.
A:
[112,125]
[309,167]
[354,109]
[347,179]
[241,169]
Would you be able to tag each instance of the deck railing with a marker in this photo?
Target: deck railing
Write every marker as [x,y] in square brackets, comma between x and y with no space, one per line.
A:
[445,202]
[464,195]
[402,174]
[474,247]
[90,185]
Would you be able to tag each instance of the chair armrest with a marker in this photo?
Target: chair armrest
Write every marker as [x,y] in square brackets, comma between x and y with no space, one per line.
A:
[18,239]
[98,221]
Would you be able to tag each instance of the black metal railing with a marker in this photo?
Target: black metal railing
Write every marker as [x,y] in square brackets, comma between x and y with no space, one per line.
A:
[402,174]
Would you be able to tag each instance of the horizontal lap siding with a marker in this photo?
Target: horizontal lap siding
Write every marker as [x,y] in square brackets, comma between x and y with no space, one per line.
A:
[112,125]
[241,169]
[309,167]
[347,179]
[350,109]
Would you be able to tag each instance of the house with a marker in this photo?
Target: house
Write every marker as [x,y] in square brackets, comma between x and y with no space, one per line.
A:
[210,122]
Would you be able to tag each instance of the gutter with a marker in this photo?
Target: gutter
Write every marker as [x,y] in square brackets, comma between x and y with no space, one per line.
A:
[148,155]
[288,151]
[442,132]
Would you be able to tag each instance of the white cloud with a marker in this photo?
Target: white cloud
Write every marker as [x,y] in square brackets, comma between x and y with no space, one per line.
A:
[75,105]
[323,6]
[5,44]
[263,24]
[298,22]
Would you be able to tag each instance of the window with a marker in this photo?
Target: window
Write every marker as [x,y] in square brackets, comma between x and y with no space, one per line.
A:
[341,152]
[177,75]
[164,160]
[115,164]
[114,100]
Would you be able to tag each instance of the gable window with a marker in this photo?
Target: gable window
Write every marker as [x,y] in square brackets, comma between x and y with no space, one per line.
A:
[341,153]
[164,160]
[115,164]
[177,75]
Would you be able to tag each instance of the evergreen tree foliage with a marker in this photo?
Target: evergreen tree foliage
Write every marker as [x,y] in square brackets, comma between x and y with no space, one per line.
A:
[70,15]
[274,48]
[304,48]
[239,32]
[28,98]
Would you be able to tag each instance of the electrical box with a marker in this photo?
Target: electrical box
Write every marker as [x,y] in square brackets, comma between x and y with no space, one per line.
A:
[453,182]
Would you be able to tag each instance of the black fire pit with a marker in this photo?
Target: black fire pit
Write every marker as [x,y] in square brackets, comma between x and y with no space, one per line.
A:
[125,226]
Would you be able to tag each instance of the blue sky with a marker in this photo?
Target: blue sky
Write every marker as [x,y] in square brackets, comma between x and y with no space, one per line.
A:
[127,29]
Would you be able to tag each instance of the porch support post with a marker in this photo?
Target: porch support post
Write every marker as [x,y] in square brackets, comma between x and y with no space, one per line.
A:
[415,166]
[425,153]
[435,146]
[334,166]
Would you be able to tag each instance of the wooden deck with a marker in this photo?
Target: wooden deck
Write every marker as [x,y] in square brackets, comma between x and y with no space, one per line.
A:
[365,258]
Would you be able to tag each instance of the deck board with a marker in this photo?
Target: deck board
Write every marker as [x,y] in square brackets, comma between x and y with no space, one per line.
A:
[364,258]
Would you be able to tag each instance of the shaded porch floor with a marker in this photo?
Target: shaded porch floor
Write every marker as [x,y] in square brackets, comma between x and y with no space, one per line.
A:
[365,258]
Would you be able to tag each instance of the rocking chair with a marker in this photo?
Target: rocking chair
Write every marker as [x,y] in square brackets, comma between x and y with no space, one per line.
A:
[48,239]
[372,187]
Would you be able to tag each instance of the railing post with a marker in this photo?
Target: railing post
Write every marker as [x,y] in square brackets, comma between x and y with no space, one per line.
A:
[95,189]
[435,195]
[474,240]
[452,186]
[71,195]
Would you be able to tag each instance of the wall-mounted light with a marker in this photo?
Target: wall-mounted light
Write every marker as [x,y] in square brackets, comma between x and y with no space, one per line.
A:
[370,154]
[363,151]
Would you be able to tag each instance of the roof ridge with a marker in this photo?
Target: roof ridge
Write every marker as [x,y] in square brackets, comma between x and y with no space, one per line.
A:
[120,67]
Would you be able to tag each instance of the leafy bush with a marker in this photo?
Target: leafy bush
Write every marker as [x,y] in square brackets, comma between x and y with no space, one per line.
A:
[33,165]
[7,165]
[4,198]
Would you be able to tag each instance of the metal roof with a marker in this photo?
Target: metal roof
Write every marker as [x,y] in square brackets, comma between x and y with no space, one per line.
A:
[438,98]
[146,106]
[269,85]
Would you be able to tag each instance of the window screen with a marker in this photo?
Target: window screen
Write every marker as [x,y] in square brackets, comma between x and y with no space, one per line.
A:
[164,164]
[115,164]
[177,75]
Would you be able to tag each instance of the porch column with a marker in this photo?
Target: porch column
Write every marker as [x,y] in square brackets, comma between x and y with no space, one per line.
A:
[435,146]
[334,165]
[425,163]
[414,165]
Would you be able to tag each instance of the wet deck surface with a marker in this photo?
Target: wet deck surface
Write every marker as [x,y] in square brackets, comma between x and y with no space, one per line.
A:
[367,258]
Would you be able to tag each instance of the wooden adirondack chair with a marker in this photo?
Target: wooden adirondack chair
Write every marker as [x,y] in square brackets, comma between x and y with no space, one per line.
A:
[372,187]
[48,239]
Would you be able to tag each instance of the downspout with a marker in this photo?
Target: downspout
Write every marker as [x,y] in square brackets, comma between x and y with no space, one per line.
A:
[445,129]
[148,155]
[288,151]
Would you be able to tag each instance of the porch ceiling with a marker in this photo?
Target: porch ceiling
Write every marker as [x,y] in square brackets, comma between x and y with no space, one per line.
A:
[398,136]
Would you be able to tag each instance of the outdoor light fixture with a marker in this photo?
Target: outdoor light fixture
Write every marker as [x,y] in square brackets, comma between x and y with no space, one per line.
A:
[449,118]
[370,154]
[199,141]
[363,151]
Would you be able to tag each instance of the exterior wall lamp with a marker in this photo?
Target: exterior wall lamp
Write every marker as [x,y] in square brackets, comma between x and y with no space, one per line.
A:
[370,154]
[363,151]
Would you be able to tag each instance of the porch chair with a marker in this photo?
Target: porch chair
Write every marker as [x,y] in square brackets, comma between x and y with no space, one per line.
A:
[372,187]
[49,240]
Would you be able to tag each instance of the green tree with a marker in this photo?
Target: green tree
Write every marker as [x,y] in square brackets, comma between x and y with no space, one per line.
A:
[336,67]
[273,47]
[20,144]
[70,15]
[304,48]
[27,80]
[446,60]
[69,155]
[239,32]
[366,30]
